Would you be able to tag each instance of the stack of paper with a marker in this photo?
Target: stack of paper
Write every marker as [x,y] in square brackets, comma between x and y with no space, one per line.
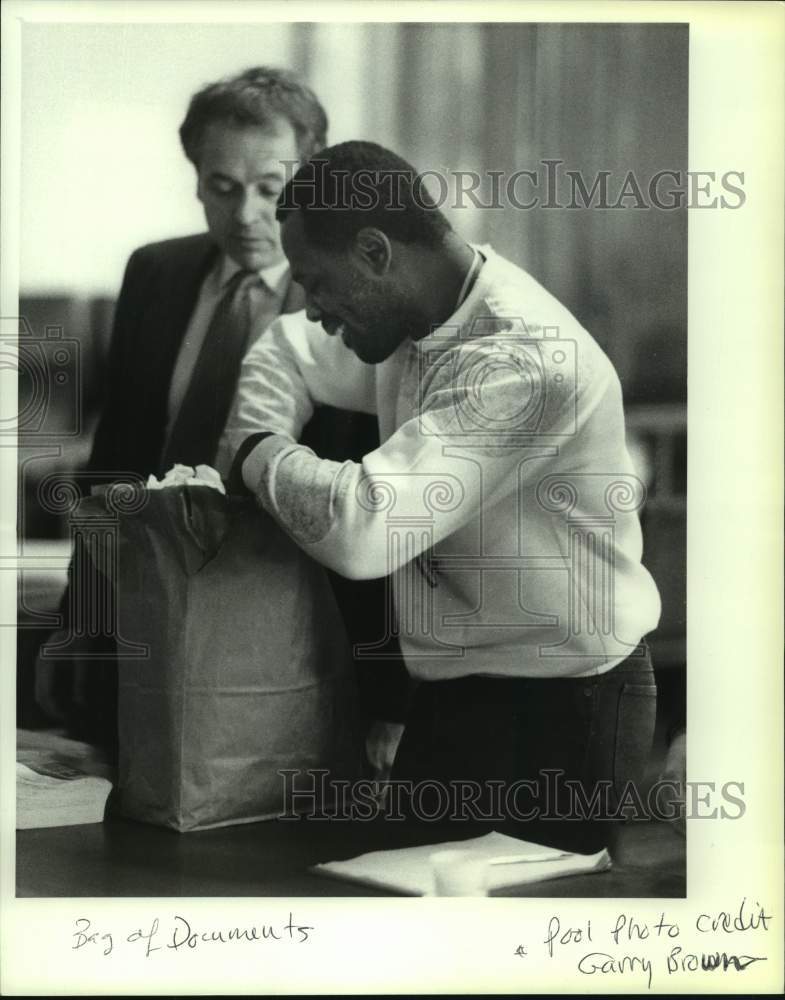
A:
[54,794]
[59,782]
[510,862]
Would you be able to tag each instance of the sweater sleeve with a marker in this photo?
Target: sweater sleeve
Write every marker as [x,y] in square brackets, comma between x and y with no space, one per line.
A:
[293,367]
[438,466]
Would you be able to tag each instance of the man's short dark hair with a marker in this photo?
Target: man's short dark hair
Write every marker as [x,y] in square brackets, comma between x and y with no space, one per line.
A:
[354,185]
[258,96]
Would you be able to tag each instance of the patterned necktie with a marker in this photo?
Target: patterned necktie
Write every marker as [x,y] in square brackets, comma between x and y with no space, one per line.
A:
[205,408]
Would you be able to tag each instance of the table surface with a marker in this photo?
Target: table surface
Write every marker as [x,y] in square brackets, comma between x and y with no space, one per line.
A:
[119,858]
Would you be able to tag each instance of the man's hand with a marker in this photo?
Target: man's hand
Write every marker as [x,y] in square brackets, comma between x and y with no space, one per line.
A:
[381,745]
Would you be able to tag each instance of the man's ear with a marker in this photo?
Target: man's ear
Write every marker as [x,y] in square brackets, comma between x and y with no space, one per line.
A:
[374,249]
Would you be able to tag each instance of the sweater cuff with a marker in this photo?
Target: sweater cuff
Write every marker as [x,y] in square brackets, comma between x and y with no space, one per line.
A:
[259,457]
[235,481]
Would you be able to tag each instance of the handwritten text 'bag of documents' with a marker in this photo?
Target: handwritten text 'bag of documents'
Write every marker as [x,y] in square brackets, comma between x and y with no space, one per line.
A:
[248,670]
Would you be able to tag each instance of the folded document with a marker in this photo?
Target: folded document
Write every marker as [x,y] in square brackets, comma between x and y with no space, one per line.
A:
[509,862]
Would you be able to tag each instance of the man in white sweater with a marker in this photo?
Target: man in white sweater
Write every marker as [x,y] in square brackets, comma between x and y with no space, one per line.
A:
[501,499]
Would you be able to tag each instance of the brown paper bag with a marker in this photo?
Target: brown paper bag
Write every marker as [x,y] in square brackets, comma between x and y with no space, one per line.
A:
[248,670]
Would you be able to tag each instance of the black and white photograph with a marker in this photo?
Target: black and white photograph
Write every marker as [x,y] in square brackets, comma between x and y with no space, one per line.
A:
[350,492]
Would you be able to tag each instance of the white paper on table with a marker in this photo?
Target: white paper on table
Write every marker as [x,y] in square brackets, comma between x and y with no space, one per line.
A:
[408,869]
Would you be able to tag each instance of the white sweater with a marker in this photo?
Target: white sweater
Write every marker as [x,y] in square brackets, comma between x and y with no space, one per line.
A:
[502,499]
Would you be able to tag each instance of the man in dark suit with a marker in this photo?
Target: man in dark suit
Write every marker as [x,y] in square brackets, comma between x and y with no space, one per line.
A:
[188,310]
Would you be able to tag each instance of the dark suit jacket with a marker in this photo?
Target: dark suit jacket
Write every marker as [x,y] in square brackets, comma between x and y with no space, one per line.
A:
[158,295]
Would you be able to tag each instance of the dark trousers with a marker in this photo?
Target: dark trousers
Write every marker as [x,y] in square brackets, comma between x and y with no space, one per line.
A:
[547,760]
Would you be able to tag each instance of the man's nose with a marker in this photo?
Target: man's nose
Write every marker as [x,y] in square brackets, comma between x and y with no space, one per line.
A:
[252,207]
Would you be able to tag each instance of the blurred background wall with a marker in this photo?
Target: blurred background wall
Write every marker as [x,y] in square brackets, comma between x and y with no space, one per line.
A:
[103,172]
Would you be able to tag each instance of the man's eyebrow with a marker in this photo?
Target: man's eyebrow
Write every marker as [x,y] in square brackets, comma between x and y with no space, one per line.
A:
[268,175]
[271,175]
